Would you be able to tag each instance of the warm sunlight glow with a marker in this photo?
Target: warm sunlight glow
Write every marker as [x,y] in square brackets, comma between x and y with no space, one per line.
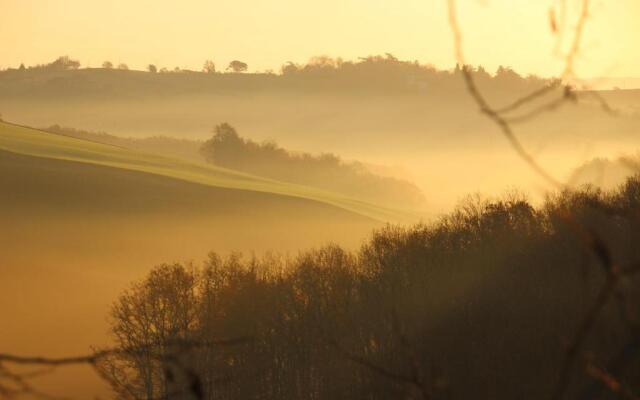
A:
[319,199]
[265,34]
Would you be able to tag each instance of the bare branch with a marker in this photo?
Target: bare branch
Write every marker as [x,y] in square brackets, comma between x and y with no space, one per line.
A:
[586,326]
[484,106]
[19,384]
[549,107]
[524,100]
[591,241]
[577,39]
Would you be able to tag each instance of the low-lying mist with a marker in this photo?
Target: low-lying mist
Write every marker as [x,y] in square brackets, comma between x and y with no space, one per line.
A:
[416,121]
[378,130]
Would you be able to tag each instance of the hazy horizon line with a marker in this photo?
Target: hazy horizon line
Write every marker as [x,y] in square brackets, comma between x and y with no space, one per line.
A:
[278,69]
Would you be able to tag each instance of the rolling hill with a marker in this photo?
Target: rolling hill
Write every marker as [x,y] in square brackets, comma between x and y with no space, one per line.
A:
[81,219]
[32,142]
[419,120]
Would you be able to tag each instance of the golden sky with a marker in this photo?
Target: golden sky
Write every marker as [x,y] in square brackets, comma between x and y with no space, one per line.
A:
[265,34]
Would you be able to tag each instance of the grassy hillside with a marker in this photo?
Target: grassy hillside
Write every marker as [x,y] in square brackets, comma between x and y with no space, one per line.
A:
[31,142]
[81,219]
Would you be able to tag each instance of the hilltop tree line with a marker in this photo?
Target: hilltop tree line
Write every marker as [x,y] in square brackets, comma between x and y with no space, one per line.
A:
[326,171]
[66,63]
[348,73]
[482,304]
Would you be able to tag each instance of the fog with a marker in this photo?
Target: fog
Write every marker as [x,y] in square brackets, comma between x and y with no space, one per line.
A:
[80,232]
[416,136]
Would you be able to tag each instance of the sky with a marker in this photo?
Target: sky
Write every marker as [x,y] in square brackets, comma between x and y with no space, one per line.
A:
[266,34]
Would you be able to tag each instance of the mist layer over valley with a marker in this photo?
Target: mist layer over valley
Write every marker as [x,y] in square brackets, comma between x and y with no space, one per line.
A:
[412,120]
[76,232]
[374,228]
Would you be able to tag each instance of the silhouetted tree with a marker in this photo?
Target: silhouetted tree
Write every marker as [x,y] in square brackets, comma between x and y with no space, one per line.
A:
[155,316]
[209,67]
[123,66]
[152,68]
[289,68]
[237,66]
[107,65]
[63,63]
[225,145]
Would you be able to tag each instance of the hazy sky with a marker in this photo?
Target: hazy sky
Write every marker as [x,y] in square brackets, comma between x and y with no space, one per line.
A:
[265,34]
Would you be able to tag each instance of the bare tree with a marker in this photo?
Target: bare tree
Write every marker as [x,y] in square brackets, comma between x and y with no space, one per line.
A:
[159,311]
[209,67]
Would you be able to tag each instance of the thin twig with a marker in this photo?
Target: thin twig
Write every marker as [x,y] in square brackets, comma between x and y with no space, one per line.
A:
[93,358]
[577,39]
[586,326]
[524,100]
[484,106]
[23,387]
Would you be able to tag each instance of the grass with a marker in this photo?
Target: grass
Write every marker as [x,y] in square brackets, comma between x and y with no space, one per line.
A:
[32,142]
[81,220]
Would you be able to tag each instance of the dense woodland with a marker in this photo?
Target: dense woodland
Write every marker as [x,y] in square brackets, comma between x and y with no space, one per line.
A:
[488,302]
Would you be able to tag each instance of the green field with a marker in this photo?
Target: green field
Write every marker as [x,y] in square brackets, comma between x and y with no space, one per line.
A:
[36,143]
[81,220]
